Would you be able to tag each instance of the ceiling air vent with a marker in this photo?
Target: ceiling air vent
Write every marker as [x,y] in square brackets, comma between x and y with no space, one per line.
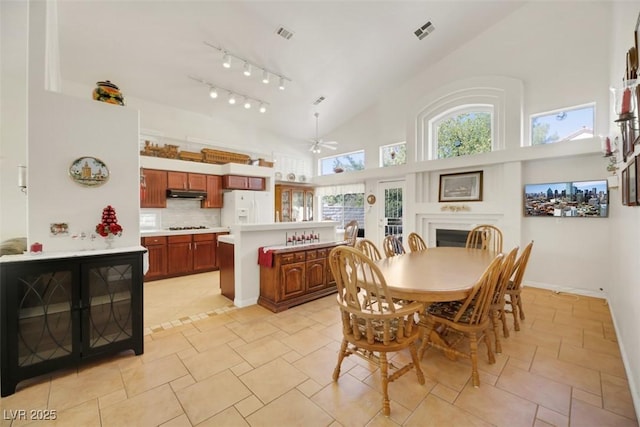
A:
[283,32]
[424,31]
[319,100]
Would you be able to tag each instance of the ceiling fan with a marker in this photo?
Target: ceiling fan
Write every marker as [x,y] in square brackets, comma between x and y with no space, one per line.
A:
[317,144]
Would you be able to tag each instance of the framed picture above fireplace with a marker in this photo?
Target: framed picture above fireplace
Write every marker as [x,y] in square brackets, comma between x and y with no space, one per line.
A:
[586,199]
[461,187]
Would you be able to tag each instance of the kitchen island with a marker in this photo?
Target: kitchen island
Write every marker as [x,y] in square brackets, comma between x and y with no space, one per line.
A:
[248,238]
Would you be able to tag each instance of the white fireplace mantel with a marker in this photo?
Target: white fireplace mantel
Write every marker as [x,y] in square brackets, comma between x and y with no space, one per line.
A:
[427,224]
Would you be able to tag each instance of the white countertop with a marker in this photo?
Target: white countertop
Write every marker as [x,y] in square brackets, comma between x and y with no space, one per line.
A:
[302,225]
[27,256]
[227,238]
[165,232]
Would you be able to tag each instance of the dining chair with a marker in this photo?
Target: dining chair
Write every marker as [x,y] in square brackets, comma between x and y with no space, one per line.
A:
[515,286]
[416,243]
[369,249]
[351,233]
[392,246]
[467,318]
[485,236]
[371,321]
[496,309]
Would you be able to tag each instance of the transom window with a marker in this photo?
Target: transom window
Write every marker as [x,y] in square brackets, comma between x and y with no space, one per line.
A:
[563,125]
[462,131]
[342,163]
[393,154]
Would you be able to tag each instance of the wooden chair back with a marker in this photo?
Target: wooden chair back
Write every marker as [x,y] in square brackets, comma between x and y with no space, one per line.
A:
[520,266]
[369,249]
[506,270]
[486,237]
[392,246]
[351,233]
[416,243]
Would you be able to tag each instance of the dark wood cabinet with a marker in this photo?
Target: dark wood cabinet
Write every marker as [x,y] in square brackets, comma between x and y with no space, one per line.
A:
[237,182]
[157,250]
[226,262]
[298,275]
[214,192]
[58,312]
[186,181]
[153,193]
[179,254]
[204,252]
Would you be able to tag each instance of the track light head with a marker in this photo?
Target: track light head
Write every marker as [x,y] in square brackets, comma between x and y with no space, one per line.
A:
[263,108]
[213,92]
[281,84]
[265,77]
[247,103]
[247,69]
[232,98]
[226,60]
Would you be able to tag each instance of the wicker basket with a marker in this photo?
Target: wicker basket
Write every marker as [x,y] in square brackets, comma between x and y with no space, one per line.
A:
[221,157]
[191,156]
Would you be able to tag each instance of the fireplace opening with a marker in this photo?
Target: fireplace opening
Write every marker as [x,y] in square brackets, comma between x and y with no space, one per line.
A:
[451,238]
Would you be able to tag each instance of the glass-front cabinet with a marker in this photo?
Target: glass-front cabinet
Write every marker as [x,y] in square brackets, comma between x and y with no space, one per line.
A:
[293,203]
[57,312]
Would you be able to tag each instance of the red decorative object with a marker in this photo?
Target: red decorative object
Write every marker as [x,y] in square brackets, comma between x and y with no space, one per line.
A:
[109,224]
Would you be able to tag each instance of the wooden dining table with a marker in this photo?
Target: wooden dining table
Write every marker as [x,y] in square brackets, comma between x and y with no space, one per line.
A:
[436,274]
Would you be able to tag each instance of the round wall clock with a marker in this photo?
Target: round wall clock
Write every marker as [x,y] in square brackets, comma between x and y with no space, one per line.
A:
[89,171]
[371,199]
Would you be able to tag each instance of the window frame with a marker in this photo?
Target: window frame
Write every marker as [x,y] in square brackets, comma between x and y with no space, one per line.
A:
[321,159]
[560,110]
[381,157]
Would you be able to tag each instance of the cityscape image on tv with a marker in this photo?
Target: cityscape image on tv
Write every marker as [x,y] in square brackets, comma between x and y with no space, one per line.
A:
[576,199]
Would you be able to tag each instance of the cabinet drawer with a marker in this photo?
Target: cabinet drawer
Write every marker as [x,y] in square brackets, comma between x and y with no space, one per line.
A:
[206,237]
[323,253]
[312,255]
[184,238]
[157,240]
[293,257]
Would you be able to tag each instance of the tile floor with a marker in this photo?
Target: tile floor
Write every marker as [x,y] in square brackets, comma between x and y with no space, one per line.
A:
[250,367]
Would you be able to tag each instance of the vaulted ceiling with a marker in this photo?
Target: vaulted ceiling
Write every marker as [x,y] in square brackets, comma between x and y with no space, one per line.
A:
[349,52]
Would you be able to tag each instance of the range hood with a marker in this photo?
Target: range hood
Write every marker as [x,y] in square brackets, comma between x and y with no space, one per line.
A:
[187,194]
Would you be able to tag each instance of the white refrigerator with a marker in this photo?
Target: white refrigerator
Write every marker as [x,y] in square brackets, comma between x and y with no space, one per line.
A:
[247,207]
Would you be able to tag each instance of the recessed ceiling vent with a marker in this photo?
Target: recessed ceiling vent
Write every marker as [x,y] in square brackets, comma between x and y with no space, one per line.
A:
[283,32]
[424,31]
[319,100]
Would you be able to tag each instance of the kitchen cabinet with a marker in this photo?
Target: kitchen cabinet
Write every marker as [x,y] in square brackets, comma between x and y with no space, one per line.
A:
[237,182]
[214,192]
[204,252]
[226,262]
[298,275]
[153,191]
[157,250]
[179,254]
[57,312]
[186,181]
[293,203]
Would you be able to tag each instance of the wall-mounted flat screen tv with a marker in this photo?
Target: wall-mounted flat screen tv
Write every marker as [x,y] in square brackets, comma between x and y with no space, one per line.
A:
[586,199]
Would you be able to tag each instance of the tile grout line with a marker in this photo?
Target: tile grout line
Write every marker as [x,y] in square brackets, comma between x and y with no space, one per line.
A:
[187,319]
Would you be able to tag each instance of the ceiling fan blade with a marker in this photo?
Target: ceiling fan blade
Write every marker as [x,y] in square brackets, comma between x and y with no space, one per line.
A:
[329,142]
[330,147]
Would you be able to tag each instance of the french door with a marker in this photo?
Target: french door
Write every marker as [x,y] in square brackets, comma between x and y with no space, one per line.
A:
[390,209]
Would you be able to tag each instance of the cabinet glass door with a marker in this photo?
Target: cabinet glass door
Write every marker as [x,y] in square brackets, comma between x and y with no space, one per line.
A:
[285,198]
[109,300]
[297,205]
[308,206]
[45,321]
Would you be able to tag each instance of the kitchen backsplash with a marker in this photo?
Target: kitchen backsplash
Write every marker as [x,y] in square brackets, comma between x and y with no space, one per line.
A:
[179,213]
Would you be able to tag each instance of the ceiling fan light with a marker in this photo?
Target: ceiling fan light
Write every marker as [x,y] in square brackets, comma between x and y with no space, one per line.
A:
[247,103]
[213,93]
[263,108]
[247,69]
[226,60]
[265,77]
[232,98]
[281,84]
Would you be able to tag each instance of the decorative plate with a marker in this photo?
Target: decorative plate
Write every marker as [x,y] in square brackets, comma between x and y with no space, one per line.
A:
[371,199]
[291,177]
[302,178]
[89,171]
[278,176]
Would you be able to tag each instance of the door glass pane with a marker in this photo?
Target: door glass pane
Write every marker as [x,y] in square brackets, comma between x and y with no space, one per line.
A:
[110,315]
[286,205]
[308,206]
[44,317]
[297,205]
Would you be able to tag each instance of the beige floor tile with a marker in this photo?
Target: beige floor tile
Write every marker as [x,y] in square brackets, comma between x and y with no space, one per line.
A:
[150,408]
[617,397]
[309,387]
[444,393]
[248,314]
[551,418]
[86,414]
[214,321]
[182,382]
[111,398]
[211,396]
[252,330]
[592,359]
[435,412]
[248,406]
[211,362]
[230,417]
[600,344]
[585,396]
[306,341]
[179,421]
[454,374]
[262,351]
[291,409]
[567,373]
[71,390]
[211,338]
[320,364]
[349,401]
[291,323]
[483,403]
[543,391]
[327,316]
[152,374]
[159,348]
[272,380]
[585,415]
[569,319]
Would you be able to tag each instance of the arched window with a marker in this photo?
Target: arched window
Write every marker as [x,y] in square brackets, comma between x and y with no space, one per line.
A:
[461,131]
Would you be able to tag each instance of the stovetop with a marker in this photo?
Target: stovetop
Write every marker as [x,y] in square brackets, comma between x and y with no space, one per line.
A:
[189,227]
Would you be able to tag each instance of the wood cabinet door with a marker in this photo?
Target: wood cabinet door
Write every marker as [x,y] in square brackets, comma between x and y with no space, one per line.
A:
[179,257]
[292,280]
[214,192]
[197,181]
[316,274]
[255,183]
[177,180]
[154,193]
[235,182]
[157,262]
[204,254]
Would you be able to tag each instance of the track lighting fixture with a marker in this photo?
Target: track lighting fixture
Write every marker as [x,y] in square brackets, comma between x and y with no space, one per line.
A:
[247,101]
[248,66]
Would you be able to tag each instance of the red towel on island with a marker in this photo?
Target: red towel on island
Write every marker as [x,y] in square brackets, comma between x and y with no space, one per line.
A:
[265,259]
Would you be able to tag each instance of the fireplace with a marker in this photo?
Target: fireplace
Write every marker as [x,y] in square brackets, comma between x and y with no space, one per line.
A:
[455,238]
